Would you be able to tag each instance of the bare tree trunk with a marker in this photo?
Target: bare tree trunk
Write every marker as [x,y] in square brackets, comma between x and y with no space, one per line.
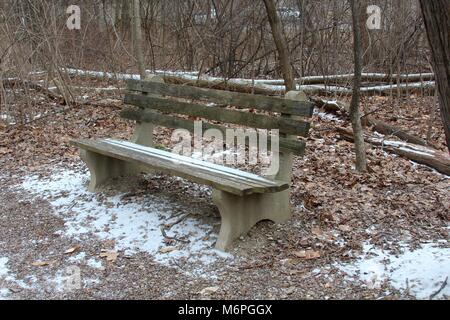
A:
[436,15]
[355,117]
[137,38]
[281,44]
[125,16]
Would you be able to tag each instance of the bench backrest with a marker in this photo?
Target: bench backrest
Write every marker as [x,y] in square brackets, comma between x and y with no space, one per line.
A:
[156,105]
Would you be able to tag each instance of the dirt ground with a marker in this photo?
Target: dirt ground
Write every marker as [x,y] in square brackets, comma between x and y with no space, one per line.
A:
[47,237]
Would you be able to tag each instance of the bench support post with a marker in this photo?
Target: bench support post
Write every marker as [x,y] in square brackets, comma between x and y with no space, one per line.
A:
[240,214]
[143,134]
[103,168]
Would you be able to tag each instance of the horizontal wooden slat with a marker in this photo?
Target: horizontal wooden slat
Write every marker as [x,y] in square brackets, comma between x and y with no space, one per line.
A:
[285,125]
[243,100]
[295,146]
[222,178]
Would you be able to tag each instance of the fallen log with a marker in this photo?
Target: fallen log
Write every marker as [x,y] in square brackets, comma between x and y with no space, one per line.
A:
[402,88]
[259,87]
[388,130]
[230,85]
[337,107]
[438,160]
[365,77]
[310,85]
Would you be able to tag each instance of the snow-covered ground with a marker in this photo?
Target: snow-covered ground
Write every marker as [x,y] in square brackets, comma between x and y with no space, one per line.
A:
[3,273]
[8,277]
[420,272]
[135,227]
[7,118]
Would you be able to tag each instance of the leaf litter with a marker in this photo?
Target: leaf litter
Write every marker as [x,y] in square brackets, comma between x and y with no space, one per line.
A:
[398,212]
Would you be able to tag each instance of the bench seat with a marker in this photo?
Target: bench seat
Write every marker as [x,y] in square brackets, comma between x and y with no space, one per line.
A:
[219,177]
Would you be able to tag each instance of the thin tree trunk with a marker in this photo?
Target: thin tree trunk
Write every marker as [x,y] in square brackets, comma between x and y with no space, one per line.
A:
[281,44]
[125,16]
[137,38]
[436,15]
[355,117]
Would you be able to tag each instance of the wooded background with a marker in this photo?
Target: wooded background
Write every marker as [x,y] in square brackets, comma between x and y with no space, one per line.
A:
[228,38]
[305,42]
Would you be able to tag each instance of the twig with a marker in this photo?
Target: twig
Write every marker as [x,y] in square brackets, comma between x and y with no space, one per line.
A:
[444,284]
[163,232]
[372,112]
[171,225]
[167,227]
[73,204]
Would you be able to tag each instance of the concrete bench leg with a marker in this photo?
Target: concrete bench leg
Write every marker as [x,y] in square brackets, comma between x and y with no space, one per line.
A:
[103,168]
[240,214]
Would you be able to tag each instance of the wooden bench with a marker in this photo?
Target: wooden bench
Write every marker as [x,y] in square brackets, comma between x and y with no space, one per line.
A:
[242,198]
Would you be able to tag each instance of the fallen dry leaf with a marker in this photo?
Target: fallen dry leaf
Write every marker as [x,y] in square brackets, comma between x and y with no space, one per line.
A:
[311,254]
[167,249]
[317,231]
[307,254]
[72,250]
[345,228]
[109,243]
[42,263]
[110,255]
[291,290]
[299,254]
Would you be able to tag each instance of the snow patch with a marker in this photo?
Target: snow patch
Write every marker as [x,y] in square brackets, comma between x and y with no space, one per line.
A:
[8,119]
[421,272]
[4,272]
[7,277]
[327,116]
[95,264]
[409,147]
[3,267]
[78,258]
[3,293]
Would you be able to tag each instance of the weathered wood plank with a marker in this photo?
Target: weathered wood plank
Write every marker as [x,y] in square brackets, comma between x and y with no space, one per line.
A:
[146,161]
[221,97]
[288,126]
[295,146]
[219,177]
[228,173]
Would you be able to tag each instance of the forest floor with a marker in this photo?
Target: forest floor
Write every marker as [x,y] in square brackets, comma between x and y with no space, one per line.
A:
[379,235]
